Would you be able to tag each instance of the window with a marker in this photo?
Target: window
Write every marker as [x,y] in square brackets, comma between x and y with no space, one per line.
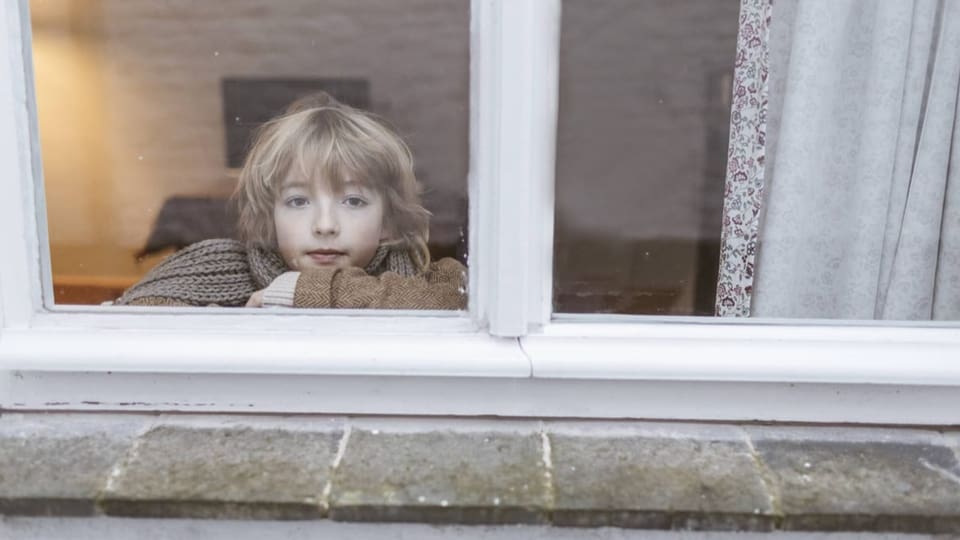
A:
[146,113]
[514,353]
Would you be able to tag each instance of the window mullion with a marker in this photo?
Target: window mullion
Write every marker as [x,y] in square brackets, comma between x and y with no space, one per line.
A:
[515,107]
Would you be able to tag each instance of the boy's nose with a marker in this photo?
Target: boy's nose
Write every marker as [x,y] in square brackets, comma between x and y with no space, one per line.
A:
[325,222]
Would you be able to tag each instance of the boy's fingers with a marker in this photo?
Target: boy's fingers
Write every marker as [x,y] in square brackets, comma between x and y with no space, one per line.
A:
[256,299]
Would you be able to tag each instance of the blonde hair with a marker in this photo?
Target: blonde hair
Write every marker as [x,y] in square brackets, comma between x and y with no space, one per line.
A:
[319,134]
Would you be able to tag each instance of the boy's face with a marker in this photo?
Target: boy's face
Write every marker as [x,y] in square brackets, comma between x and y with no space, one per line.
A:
[318,226]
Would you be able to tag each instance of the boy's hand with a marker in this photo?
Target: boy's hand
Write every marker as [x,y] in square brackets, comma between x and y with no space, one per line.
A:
[256,299]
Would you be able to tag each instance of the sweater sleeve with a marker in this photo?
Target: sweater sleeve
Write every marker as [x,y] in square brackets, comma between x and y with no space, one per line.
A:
[281,291]
[440,286]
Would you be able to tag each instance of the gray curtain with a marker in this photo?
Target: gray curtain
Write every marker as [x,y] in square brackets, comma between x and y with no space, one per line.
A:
[861,216]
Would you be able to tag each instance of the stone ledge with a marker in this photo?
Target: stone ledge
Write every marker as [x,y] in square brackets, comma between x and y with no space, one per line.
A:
[581,474]
[211,468]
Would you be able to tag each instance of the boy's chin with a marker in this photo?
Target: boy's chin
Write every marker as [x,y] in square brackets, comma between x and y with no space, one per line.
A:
[340,261]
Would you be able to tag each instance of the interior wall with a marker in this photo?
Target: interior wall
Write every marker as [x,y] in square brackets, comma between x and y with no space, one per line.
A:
[635,82]
[640,165]
[148,82]
[68,73]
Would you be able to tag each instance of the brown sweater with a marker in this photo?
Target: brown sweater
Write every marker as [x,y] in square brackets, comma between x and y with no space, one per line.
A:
[441,286]
[225,273]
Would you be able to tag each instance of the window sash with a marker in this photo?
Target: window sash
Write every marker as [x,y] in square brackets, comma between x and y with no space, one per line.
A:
[506,357]
[20,267]
[513,54]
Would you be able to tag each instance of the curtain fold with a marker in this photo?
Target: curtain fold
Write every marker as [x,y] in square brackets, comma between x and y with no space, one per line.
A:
[860,213]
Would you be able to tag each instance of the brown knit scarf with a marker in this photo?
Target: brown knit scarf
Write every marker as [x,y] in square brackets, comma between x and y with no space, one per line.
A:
[225,272]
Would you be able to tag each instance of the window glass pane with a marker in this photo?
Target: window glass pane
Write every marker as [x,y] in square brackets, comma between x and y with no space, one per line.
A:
[842,183]
[642,148]
[147,111]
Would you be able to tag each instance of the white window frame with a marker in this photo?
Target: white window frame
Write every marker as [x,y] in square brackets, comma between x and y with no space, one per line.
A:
[507,356]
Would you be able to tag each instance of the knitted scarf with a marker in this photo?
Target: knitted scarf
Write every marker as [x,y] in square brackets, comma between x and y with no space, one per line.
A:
[226,272]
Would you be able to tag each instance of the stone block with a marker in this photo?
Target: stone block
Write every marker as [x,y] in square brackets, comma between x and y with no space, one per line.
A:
[250,469]
[895,480]
[57,464]
[657,476]
[466,474]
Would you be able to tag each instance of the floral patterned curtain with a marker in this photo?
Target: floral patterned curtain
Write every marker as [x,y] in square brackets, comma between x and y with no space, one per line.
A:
[745,171]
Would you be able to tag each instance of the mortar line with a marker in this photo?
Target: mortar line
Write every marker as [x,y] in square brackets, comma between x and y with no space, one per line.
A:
[953,477]
[118,468]
[547,457]
[766,476]
[335,465]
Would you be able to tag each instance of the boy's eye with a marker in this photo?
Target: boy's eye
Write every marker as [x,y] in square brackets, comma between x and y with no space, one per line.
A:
[354,202]
[297,202]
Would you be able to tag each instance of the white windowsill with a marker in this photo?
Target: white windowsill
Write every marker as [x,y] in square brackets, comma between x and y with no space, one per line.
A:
[732,372]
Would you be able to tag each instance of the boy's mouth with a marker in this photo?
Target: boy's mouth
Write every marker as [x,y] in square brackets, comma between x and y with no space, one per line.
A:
[325,256]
